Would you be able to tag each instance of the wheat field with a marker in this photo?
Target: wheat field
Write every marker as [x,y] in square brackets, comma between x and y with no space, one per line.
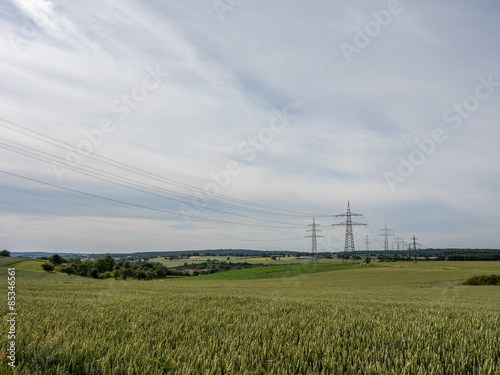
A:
[378,320]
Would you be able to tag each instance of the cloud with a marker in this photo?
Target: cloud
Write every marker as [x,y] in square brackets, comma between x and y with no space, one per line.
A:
[349,123]
[49,17]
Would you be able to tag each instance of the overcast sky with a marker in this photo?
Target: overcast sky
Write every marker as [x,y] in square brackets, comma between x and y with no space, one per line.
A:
[166,125]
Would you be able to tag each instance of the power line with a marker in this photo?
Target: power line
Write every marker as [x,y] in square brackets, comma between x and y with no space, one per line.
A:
[130,204]
[233,203]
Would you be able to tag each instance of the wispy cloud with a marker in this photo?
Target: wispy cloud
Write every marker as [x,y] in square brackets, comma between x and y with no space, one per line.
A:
[351,121]
[51,19]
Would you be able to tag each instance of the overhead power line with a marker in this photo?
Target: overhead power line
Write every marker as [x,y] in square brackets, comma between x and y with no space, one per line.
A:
[228,202]
[136,205]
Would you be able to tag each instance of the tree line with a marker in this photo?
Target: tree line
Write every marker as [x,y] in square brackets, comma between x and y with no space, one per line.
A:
[105,268]
[473,257]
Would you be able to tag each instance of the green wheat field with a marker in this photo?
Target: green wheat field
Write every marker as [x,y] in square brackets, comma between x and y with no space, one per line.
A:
[311,319]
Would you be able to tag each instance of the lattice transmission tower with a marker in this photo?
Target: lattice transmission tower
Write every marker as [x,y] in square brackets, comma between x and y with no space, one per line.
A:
[400,243]
[349,235]
[314,236]
[412,249]
[386,233]
[367,242]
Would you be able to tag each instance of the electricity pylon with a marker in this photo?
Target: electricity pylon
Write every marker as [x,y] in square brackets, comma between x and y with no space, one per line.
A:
[400,243]
[413,248]
[386,232]
[367,243]
[349,236]
[314,235]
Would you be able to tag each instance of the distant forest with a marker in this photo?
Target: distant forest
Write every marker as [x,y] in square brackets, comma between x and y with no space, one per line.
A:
[468,257]
[429,253]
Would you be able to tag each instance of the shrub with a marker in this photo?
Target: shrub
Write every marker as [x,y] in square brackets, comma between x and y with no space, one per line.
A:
[48,267]
[483,280]
[94,273]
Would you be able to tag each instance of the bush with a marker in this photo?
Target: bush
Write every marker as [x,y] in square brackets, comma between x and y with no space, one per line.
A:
[94,273]
[483,280]
[48,267]
[70,270]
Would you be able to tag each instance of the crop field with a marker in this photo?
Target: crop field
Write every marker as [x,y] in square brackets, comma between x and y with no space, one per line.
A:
[252,260]
[195,260]
[7,261]
[351,319]
[29,265]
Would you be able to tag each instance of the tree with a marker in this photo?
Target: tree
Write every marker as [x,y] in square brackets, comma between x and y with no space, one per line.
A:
[101,265]
[4,253]
[161,272]
[105,264]
[94,273]
[368,260]
[126,272]
[48,267]
[76,261]
[57,259]
[110,261]
[70,270]
[84,268]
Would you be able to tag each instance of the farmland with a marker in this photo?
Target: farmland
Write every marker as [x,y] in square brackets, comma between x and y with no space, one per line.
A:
[341,319]
[233,259]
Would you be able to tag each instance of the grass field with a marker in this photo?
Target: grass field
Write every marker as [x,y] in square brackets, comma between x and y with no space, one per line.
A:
[29,265]
[479,266]
[195,260]
[356,320]
[273,272]
[7,261]
[252,260]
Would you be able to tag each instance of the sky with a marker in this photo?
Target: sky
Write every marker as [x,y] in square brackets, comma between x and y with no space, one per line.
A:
[164,125]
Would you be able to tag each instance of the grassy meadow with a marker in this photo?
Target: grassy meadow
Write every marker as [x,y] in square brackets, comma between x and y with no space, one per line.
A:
[252,260]
[315,319]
